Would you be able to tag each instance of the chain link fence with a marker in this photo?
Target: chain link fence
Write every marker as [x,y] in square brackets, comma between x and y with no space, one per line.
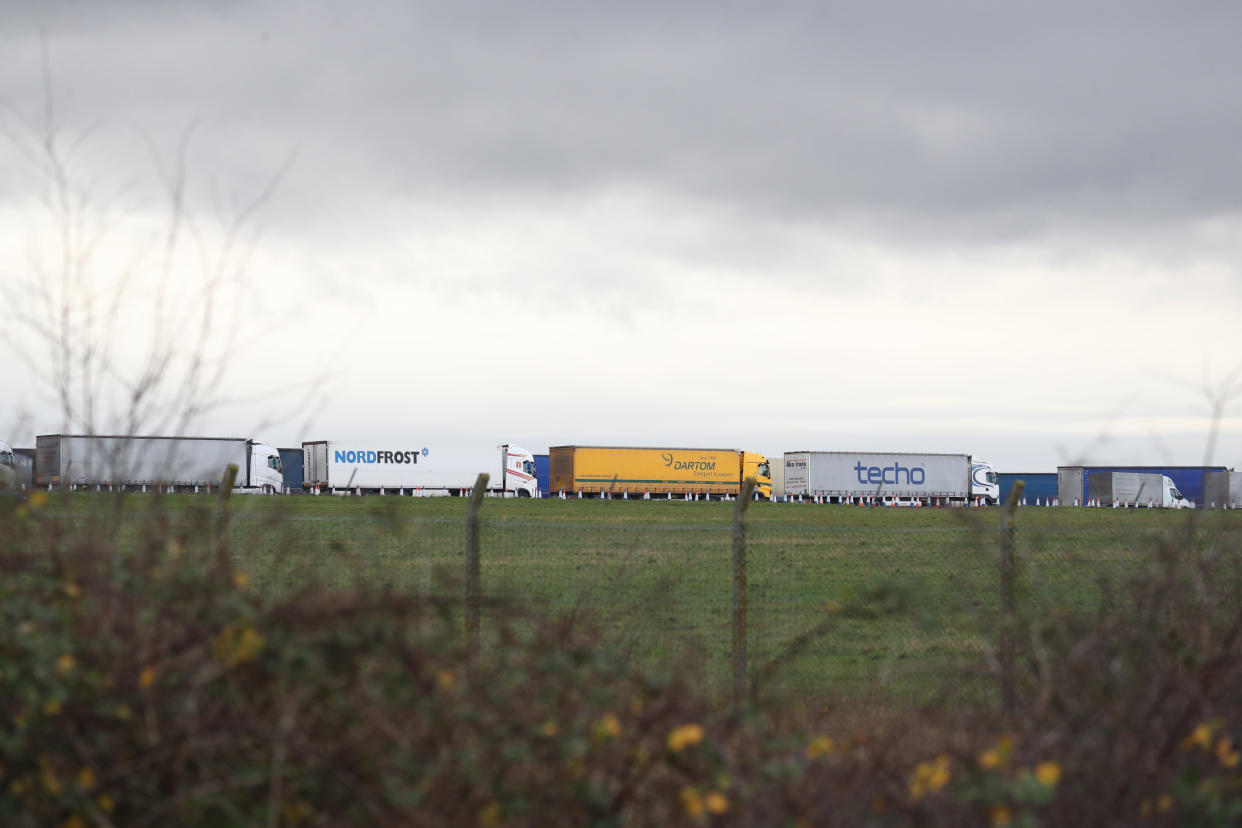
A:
[853,603]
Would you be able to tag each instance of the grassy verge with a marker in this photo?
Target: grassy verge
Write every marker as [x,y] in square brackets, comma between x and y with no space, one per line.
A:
[895,605]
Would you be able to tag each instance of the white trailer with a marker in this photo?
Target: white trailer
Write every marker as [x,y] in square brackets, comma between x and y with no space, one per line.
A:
[888,477]
[164,463]
[776,470]
[1223,490]
[1135,489]
[376,467]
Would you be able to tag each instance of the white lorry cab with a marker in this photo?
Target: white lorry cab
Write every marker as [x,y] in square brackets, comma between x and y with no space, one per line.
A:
[8,467]
[984,482]
[1171,497]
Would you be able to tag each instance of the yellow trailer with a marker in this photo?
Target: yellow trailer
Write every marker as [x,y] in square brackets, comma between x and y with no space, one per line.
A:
[622,470]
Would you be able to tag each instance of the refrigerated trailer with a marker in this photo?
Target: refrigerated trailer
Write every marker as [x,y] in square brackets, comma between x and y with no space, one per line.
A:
[631,471]
[165,463]
[375,467]
[840,476]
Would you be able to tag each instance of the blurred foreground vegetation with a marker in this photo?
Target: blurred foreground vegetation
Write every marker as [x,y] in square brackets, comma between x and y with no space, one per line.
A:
[163,661]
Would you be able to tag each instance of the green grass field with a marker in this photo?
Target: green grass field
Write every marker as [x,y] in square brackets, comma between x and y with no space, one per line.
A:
[903,601]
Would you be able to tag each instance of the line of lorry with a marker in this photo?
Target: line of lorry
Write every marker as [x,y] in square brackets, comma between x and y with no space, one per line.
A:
[435,469]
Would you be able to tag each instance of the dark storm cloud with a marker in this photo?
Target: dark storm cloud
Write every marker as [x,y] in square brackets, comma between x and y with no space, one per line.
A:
[978,120]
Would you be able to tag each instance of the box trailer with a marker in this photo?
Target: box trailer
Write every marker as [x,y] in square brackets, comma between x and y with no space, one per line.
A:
[378,467]
[631,471]
[847,476]
[166,463]
[1135,489]
[1223,490]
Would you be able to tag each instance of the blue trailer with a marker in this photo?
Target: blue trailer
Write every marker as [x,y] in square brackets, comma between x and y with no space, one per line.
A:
[543,473]
[1039,485]
[291,468]
[1072,482]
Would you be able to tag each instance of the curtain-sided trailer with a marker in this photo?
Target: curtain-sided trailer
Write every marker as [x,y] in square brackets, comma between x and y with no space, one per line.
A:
[627,471]
[163,463]
[851,476]
[430,470]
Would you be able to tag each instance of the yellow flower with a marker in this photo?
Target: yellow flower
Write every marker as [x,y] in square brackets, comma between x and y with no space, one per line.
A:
[819,746]
[610,725]
[716,803]
[489,817]
[37,499]
[72,589]
[1000,816]
[446,679]
[930,777]
[47,775]
[990,759]
[65,663]
[86,779]
[52,708]
[1201,736]
[237,644]
[146,678]
[1164,803]
[1048,774]
[1225,753]
[240,580]
[550,728]
[684,737]
[691,802]
[74,821]
[106,803]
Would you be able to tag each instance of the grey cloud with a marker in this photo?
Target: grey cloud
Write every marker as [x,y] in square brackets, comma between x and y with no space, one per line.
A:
[987,121]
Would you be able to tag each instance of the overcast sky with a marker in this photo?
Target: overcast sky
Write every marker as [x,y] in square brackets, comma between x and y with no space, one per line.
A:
[780,226]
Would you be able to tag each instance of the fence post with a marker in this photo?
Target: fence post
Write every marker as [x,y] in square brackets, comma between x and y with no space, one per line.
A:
[740,683]
[227,480]
[1009,620]
[472,563]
